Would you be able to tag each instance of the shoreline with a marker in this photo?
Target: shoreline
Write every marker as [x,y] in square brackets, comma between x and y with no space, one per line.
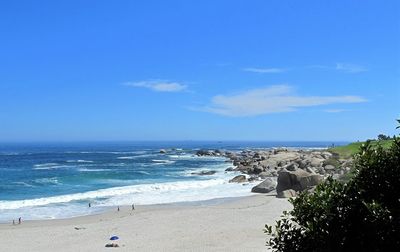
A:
[218,225]
[128,208]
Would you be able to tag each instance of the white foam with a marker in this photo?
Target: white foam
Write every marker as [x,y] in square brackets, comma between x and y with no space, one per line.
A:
[79,161]
[23,184]
[45,164]
[92,170]
[163,161]
[53,181]
[116,191]
[52,167]
[128,157]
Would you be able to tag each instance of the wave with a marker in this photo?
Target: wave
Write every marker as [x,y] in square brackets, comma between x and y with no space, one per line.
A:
[163,161]
[46,181]
[45,164]
[194,157]
[51,167]
[21,183]
[110,192]
[128,157]
[92,170]
[79,161]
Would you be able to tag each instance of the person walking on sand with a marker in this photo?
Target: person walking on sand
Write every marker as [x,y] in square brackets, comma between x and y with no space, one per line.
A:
[133,207]
[19,220]
[118,209]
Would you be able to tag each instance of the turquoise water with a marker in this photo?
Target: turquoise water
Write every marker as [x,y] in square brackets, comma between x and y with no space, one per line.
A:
[47,181]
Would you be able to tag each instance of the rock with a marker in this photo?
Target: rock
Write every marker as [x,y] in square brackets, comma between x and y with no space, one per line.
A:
[229,169]
[329,168]
[310,170]
[163,151]
[204,173]
[291,167]
[309,181]
[204,153]
[266,186]
[265,174]
[257,169]
[298,180]
[238,179]
[287,194]
[316,162]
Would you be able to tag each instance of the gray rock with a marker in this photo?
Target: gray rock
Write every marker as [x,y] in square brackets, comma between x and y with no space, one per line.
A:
[238,179]
[298,180]
[229,169]
[265,174]
[266,186]
[310,170]
[202,173]
[291,166]
[329,167]
[163,151]
[257,169]
[287,194]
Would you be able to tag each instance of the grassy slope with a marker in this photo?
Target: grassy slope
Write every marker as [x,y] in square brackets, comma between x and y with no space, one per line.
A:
[352,148]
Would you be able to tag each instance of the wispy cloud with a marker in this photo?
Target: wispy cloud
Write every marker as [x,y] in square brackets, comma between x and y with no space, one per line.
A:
[272,99]
[158,85]
[335,110]
[350,68]
[341,67]
[264,70]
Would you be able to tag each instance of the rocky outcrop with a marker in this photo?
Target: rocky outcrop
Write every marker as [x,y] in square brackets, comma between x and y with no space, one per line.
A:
[296,170]
[266,186]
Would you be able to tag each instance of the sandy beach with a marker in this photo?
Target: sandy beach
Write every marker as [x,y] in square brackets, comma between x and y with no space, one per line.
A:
[222,225]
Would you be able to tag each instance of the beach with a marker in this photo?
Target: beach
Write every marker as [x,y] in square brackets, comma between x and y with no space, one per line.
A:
[233,224]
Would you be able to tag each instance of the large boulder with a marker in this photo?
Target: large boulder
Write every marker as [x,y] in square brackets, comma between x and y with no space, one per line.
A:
[238,179]
[266,186]
[298,180]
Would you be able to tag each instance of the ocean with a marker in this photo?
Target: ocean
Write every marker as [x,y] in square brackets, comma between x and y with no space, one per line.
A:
[52,181]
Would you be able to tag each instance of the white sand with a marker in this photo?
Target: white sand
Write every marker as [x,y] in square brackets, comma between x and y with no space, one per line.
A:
[233,225]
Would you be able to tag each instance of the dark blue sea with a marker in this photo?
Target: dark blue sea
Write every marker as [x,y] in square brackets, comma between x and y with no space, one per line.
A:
[59,180]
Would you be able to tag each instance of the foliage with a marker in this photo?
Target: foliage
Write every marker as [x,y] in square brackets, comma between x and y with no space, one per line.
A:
[383,137]
[361,215]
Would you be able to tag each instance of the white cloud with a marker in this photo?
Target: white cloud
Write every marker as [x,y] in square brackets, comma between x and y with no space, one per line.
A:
[158,85]
[350,68]
[273,99]
[335,110]
[264,70]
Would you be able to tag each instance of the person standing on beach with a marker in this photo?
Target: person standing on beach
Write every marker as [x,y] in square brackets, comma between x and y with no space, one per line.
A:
[118,209]
[133,207]
[90,205]
[19,220]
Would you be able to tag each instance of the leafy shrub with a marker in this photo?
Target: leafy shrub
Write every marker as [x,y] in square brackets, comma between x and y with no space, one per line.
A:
[360,215]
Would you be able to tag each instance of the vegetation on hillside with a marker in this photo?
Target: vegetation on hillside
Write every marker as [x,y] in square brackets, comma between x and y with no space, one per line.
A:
[351,149]
[360,215]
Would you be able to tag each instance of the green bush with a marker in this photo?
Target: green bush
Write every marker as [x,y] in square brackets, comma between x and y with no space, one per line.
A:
[360,215]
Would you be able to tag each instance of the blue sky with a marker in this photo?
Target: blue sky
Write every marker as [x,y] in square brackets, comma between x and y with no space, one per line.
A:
[198,70]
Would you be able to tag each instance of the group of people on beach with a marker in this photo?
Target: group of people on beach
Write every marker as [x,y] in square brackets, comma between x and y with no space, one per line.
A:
[133,207]
[19,221]
[90,205]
